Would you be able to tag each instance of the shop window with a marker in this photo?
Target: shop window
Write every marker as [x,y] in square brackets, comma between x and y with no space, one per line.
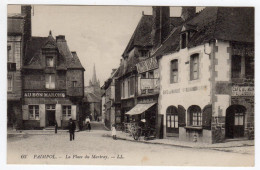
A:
[9,83]
[74,83]
[50,81]
[250,66]
[239,119]
[195,116]
[49,61]
[172,119]
[194,67]
[66,111]
[34,112]
[236,66]
[174,71]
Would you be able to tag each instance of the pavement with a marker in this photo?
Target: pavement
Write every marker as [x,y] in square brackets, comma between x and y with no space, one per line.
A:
[126,136]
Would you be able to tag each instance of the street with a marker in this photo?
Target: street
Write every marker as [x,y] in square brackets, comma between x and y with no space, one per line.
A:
[97,148]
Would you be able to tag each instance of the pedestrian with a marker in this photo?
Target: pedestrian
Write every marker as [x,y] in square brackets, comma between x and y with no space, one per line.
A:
[56,126]
[87,122]
[113,129]
[72,128]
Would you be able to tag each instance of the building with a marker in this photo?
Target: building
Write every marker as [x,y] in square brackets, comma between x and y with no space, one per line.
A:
[112,98]
[139,70]
[15,52]
[53,81]
[93,97]
[206,68]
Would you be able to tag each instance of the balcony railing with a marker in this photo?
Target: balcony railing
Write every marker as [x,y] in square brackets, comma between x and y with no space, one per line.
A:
[149,86]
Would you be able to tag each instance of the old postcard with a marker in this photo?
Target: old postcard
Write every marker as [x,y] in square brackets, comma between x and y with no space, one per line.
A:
[130,85]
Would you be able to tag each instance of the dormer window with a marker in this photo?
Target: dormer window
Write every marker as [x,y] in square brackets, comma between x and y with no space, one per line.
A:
[187,32]
[49,61]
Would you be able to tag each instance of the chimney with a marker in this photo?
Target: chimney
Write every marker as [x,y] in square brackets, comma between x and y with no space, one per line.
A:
[60,38]
[26,11]
[161,25]
[188,12]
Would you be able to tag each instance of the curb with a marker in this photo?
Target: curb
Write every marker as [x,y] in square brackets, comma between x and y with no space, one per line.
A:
[176,145]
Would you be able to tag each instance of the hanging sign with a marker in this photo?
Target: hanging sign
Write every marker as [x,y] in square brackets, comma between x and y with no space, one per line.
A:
[146,65]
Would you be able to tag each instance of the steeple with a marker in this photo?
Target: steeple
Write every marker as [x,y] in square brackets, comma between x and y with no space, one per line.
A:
[94,77]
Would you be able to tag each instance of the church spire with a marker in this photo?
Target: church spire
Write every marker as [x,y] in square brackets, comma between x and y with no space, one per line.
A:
[94,77]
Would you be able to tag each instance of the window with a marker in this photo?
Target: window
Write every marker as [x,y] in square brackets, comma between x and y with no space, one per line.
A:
[250,65]
[239,119]
[50,81]
[143,75]
[128,87]
[150,75]
[74,83]
[34,112]
[66,111]
[194,67]
[236,66]
[132,86]
[183,40]
[9,83]
[174,71]
[123,90]
[172,119]
[144,53]
[10,56]
[49,61]
[195,116]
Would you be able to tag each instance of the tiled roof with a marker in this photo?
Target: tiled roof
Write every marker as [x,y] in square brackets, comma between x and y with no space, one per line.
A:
[33,53]
[15,24]
[75,62]
[224,23]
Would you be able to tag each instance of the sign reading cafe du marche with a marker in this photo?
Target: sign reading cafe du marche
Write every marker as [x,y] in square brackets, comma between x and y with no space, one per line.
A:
[44,94]
[243,91]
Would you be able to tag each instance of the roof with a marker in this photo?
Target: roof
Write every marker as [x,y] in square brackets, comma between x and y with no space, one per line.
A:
[222,23]
[33,53]
[91,98]
[15,24]
[142,35]
[74,62]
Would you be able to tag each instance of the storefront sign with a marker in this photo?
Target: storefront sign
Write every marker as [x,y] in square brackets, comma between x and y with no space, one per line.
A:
[243,91]
[44,94]
[146,65]
[188,89]
[149,84]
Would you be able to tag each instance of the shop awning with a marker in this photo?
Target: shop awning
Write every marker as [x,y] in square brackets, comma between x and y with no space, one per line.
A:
[140,108]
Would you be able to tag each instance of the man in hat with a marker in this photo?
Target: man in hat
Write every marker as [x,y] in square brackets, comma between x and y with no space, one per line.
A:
[72,128]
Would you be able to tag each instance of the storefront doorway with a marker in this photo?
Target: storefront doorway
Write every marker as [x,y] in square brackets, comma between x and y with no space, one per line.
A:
[235,121]
[50,115]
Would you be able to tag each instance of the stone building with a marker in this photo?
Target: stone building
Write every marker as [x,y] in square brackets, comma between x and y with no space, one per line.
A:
[52,84]
[112,98]
[206,68]
[15,52]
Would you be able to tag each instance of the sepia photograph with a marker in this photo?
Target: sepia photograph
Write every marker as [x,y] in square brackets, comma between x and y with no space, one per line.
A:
[130,85]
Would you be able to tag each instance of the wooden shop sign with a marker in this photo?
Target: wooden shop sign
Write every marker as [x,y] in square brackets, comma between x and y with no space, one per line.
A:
[146,65]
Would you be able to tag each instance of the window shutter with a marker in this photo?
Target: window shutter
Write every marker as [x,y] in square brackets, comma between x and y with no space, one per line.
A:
[42,115]
[206,117]
[58,114]
[182,116]
[73,112]
[25,111]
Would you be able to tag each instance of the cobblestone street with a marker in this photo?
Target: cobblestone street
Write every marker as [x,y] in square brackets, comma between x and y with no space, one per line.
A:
[96,147]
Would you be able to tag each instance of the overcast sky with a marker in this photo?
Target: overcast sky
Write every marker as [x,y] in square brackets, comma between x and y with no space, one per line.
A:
[99,34]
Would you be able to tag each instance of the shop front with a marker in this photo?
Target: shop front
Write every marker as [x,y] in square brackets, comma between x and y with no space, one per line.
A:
[43,109]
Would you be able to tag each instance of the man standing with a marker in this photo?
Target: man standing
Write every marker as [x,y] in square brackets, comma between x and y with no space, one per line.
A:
[72,128]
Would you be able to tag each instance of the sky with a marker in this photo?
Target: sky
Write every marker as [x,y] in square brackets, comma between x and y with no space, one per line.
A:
[99,34]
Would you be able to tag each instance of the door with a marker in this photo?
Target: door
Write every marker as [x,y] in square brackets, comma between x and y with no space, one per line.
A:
[50,115]
[172,125]
[235,121]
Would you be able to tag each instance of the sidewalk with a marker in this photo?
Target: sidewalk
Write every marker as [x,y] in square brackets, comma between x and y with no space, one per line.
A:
[176,142]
